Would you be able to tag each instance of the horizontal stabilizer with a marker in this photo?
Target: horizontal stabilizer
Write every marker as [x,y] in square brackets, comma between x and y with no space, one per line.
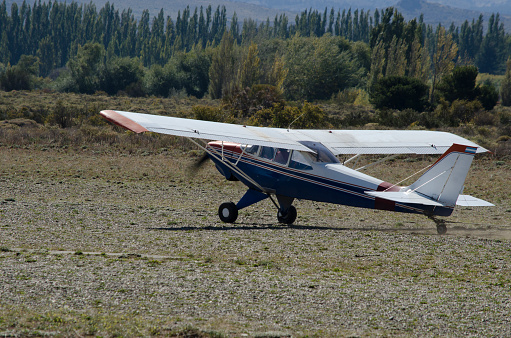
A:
[408,197]
[470,201]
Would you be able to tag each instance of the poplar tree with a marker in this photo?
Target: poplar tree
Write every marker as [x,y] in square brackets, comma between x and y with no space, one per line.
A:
[419,64]
[443,57]
[249,73]
[493,48]
[222,70]
[396,58]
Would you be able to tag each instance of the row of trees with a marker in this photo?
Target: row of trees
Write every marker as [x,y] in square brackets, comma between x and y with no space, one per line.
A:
[402,65]
[53,32]
[300,68]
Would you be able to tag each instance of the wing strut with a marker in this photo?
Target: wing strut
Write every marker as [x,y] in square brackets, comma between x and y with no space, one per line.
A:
[378,162]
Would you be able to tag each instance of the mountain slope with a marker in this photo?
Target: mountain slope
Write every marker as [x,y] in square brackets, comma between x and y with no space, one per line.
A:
[243,10]
[435,13]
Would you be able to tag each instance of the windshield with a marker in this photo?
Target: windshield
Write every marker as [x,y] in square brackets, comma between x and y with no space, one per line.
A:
[322,154]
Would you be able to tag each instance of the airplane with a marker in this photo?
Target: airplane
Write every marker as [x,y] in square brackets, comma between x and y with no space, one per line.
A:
[287,164]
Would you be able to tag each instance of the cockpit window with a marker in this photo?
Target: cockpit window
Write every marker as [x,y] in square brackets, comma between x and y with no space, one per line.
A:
[300,160]
[322,154]
[251,149]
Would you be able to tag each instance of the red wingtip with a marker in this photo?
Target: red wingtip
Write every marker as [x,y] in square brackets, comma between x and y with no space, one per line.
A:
[122,121]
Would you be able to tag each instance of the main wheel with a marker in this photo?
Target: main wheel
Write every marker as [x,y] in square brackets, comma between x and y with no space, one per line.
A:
[289,217]
[228,212]
[441,228]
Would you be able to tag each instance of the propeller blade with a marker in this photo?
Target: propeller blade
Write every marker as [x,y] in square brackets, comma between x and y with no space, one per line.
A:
[197,165]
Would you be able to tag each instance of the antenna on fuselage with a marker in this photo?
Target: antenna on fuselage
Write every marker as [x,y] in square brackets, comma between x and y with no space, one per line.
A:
[289,127]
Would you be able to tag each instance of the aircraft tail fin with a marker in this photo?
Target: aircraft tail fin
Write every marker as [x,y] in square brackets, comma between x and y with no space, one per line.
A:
[441,185]
[443,181]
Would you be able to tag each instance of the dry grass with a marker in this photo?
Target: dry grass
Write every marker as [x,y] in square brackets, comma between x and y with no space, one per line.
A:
[103,233]
[100,243]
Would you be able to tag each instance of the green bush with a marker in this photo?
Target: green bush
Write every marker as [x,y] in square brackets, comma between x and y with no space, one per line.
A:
[400,92]
[245,102]
[488,96]
[460,111]
[305,117]
[460,85]
[505,88]
[346,96]
[22,76]
[122,74]
[398,119]
[60,115]
[207,113]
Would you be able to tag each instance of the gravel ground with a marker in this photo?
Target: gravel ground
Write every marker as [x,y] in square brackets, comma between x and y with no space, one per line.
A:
[94,244]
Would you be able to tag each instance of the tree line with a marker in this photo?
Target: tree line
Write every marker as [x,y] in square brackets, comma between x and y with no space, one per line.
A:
[322,54]
[53,31]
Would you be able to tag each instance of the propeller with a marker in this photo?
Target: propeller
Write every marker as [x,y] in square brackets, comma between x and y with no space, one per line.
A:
[197,165]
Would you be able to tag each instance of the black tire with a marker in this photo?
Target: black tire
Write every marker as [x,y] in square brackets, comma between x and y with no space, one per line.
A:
[228,212]
[441,229]
[289,217]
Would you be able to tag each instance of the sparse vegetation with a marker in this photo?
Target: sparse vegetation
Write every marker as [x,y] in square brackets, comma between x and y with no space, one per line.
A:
[155,259]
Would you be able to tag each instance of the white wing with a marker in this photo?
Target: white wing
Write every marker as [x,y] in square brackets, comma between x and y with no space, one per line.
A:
[339,141]
[272,137]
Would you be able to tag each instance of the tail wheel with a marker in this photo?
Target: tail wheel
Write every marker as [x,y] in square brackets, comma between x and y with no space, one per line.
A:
[228,212]
[289,217]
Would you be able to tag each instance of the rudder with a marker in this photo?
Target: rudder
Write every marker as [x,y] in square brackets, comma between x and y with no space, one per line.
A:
[444,180]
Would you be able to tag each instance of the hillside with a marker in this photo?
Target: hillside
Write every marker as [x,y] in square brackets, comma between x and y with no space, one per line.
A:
[488,6]
[171,8]
[435,13]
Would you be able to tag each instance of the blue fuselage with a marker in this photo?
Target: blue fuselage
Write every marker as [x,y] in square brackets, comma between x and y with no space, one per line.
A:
[319,181]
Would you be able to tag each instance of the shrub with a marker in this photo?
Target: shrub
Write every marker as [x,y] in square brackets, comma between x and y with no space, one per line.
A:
[488,96]
[347,96]
[399,92]
[460,85]
[247,101]
[460,111]
[122,74]
[398,119]
[60,115]
[22,76]
[485,118]
[304,117]
[207,113]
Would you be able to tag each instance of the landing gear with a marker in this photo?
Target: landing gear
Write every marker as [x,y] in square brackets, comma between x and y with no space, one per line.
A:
[228,212]
[288,217]
[441,228]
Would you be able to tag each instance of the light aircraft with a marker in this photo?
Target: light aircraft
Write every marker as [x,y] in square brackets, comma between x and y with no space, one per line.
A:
[288,164]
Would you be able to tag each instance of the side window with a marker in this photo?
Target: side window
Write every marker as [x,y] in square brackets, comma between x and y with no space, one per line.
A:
[281,156]
[299,161]
[250,149]
[267,152]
